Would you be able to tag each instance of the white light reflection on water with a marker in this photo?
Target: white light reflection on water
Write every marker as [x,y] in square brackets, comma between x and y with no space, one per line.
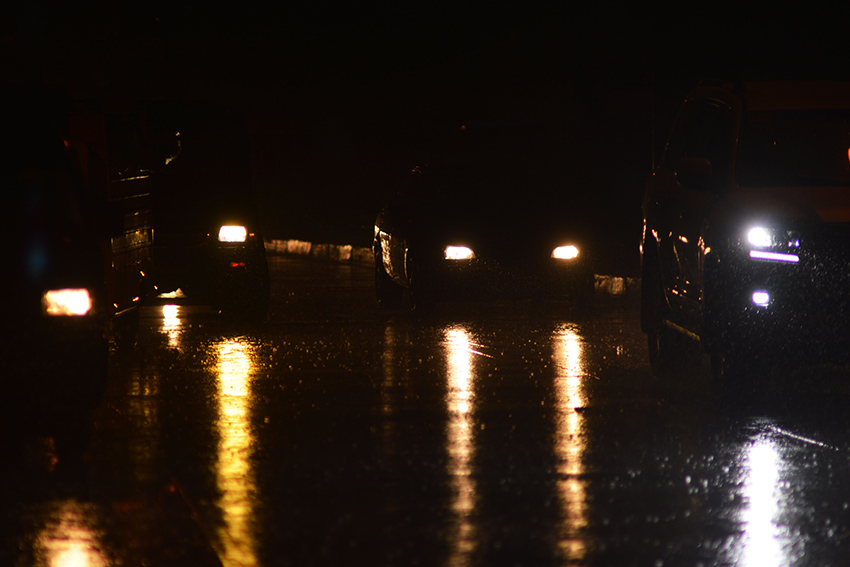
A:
[171,324]
[570,439]
[762,544]
[234,474]
[459,399]
[70,538]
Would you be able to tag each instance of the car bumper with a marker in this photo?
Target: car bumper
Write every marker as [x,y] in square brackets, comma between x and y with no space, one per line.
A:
[212,268]
[60,359]
[798,310]
[477,279]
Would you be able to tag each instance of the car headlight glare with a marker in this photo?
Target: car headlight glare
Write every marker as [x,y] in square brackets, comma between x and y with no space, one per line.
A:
[568,252]
[232,233]
[760,237]
[67,302]
[458,253]
[773,245]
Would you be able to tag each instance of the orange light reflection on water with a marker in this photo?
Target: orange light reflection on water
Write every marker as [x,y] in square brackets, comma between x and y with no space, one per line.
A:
[70,537]
[234,473]
[171,324]
[459,399]
[570,441]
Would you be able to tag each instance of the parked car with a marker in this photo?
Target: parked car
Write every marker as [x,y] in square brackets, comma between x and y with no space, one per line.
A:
[117,163]
[492,217]
[58,306]
[208,240]
[746,241]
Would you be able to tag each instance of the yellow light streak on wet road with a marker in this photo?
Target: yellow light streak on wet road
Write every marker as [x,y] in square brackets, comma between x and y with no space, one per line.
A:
[460,399]
[234,474]
[570,439]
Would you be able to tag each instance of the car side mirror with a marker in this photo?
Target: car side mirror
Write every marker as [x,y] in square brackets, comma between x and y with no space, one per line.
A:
[695,173]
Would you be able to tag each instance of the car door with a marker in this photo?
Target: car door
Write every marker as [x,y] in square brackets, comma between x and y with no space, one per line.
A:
[699,156]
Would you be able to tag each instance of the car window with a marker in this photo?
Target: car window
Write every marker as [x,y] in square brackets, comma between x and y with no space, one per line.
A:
[794,147]
[704,129]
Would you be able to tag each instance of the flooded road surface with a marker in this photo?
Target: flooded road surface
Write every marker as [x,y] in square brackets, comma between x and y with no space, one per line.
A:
[515,434]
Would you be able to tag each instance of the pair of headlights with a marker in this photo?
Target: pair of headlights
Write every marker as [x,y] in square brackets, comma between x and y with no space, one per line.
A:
[567,252]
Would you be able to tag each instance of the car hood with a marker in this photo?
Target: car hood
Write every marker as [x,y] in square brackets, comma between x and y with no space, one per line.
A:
[810,203]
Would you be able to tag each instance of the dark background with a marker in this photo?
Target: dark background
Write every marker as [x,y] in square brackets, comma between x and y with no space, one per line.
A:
[338,101]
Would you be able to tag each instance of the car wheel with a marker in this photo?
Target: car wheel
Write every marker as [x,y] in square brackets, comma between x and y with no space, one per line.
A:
[671,353]
[738,368]
[387,292]
[422,296]
[125,328]
[251,304]
[581,298]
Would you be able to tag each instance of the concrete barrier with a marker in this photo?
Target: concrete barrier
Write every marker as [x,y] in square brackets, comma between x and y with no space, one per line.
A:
[332,252]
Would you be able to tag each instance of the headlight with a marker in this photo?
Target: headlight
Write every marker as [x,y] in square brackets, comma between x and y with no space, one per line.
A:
[773,245]
[65,302]
[568,252]
[458,253]
[232,233]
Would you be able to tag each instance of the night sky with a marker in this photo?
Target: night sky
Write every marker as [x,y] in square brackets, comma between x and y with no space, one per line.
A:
[335,98]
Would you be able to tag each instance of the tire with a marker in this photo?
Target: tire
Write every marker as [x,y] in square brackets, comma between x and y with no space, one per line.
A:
[739,369]
[671,353]
[388,294]
[125,328]
[581,299]
[250,305]
[422,296]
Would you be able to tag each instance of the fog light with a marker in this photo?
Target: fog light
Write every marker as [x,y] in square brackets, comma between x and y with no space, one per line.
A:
[761,298]
[60,302]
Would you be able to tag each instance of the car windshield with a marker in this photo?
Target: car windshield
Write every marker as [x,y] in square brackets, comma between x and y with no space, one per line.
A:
[795,148]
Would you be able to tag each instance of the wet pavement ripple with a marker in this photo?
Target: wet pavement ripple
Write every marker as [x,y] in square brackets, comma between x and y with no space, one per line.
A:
[497,434]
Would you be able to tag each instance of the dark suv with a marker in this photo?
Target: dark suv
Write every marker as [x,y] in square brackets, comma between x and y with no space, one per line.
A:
[746,241]
[208,243]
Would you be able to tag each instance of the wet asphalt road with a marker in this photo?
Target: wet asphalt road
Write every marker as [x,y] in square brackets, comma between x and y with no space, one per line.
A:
[511,434]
